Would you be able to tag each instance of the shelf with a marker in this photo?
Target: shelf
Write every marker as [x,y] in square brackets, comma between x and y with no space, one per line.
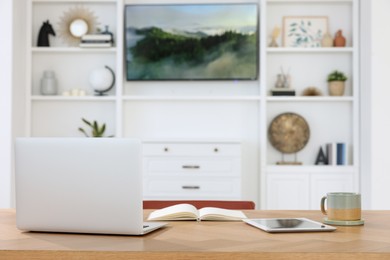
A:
[193,140]
[310,50]
[72,98]
[143,98]
[191,98]
[310,169]
[72,50]
[309,99]
[308,1]
[73,1]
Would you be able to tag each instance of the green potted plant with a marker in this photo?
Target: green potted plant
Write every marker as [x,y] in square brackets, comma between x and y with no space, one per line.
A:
[336,83]
[96,129]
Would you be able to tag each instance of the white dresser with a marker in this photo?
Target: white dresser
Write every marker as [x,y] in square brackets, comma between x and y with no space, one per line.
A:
[192,170]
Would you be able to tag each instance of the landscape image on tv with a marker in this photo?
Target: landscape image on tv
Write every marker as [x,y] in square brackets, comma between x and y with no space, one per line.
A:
[191,42]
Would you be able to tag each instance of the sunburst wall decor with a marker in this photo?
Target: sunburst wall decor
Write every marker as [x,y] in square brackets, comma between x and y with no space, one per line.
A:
[76,13]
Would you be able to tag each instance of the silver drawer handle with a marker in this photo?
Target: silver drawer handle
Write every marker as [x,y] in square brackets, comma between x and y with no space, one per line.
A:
[190,166]
[190,187]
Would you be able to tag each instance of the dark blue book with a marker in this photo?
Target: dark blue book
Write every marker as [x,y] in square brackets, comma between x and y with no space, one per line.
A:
[341,154]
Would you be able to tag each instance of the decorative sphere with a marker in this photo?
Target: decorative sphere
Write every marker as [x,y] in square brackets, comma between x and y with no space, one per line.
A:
[101,79]
[78,28]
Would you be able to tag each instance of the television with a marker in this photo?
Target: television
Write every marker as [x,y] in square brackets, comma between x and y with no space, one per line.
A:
[192,41]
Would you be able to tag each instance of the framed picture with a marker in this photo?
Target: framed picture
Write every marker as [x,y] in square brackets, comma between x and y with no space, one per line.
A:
[192,41]
[304,31]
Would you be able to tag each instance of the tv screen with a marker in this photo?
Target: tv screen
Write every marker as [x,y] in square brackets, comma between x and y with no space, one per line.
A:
[192,42]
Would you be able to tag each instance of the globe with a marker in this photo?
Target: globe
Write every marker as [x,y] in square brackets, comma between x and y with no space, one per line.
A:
[102,80]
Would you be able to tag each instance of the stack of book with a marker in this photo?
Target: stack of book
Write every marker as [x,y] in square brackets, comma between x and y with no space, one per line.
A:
[96,41]
[282,92]
[337,153]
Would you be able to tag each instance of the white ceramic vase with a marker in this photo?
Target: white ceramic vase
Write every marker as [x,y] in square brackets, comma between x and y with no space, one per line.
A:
[49,83]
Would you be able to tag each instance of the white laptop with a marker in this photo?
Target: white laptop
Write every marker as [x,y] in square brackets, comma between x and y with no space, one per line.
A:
[80,185]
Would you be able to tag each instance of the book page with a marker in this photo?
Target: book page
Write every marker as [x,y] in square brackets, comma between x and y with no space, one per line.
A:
[210,213]
[175,212]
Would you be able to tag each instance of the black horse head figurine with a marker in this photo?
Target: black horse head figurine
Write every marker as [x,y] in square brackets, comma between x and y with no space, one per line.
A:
[43,37]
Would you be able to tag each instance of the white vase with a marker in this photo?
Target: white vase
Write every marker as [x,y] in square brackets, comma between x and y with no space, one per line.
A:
[48,83]
[327,40]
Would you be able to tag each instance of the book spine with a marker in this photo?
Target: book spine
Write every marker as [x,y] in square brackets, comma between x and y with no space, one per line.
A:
[283,93]
[331,153]
[104,37]
[95,41]
[95,45]
[341,154]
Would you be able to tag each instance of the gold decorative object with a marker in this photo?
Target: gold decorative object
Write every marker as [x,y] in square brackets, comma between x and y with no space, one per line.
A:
[312,91]
[288,133]
[78,16]
[275,34]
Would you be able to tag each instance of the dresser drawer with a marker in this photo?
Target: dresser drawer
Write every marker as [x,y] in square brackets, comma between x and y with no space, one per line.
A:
[160,188]
[191,149]
[192,170]
[183,166]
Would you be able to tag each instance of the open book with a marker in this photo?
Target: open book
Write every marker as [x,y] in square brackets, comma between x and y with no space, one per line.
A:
[189,212]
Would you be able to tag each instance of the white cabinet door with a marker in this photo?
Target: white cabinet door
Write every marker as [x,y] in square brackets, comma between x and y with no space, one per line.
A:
[287,191]
[322,183]
[192,170]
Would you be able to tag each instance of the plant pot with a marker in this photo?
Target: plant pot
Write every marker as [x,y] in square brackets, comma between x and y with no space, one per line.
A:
[336,88]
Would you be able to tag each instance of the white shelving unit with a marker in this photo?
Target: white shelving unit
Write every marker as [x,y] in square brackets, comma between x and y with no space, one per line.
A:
[61,115]
[212,110]
[331,119]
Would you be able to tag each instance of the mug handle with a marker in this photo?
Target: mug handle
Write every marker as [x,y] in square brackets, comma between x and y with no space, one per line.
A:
[323,205]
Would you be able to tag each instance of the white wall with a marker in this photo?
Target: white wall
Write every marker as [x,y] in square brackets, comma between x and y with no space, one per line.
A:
[380,105]
[6,103]
[365,102]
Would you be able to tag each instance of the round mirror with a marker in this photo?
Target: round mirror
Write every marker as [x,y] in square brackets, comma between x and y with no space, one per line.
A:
[78,28]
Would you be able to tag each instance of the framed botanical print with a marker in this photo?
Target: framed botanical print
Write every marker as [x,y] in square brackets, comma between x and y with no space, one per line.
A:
[304,31]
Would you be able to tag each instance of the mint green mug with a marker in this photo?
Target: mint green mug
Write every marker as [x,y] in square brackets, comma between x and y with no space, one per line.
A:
[344,206]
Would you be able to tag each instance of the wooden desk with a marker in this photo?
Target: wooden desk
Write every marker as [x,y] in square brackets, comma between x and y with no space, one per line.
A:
[206,240]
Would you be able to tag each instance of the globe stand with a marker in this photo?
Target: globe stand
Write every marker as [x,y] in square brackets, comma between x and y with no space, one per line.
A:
[101,93]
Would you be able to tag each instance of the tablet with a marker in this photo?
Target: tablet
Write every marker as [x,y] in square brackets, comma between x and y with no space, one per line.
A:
[279,225]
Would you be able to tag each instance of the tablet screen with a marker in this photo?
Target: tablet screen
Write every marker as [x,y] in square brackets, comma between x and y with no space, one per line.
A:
[288,225]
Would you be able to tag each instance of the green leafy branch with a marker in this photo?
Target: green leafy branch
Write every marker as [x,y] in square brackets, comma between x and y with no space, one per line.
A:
[96,130]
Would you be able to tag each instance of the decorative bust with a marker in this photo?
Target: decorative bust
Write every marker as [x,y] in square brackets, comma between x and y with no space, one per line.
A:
[44,32]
